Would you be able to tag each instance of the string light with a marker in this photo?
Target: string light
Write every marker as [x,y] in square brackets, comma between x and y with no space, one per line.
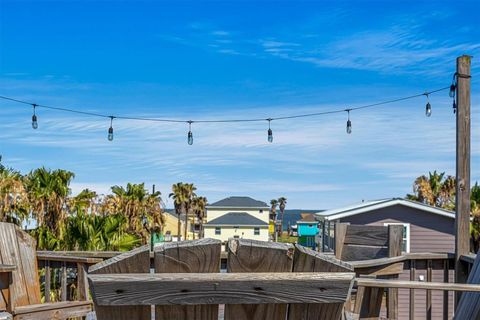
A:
[269,132]
[428,106]
[428,112]
[349,123]
[190,134]
[453,91]
[34,117]
[110,130]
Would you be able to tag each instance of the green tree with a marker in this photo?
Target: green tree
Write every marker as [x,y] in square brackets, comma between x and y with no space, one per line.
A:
[139,207]
[48,192]
[14,206]
[199,211]
[282,203]
[436,190]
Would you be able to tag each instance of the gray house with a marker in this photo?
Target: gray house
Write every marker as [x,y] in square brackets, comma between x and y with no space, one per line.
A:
[425,229]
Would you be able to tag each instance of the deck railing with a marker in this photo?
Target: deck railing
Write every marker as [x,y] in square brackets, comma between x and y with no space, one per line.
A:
[71,269]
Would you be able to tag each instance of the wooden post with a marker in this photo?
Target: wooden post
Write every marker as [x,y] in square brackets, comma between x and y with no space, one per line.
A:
[64,281]
[47,281]
[82,282]
[395,236]
[462,200]
[429,292]
[412,291]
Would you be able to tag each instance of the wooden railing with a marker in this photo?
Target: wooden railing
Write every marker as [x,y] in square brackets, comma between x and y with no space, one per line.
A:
[63,263]
[72,266]
[414,262]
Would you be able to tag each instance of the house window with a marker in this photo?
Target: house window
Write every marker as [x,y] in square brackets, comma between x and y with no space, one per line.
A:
[256,231]
[405,236]
[260,211]
[218,230]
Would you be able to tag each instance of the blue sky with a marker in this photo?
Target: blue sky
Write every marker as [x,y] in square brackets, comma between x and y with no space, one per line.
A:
[199,60]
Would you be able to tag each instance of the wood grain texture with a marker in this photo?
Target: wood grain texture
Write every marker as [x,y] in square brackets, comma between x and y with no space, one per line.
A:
[197,256]
[49,311]
[469,304]
[352,252]
[64,257]
[340,232]
[135,261]
[366,235]
[18,248]
[219,288]
[462,198]
[258,256]
[404,284]
[82,282]
[307,260]
[395,239]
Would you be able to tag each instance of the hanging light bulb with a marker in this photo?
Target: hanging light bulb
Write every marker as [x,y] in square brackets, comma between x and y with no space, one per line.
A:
[428,107]
[190,134]
[349,123]
[34,118]
[270,132]
[451,93]
[110,130]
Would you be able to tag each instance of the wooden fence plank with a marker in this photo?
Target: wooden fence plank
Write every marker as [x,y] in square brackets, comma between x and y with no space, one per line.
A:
[352,252]
[206,288]
[340,232]
[135,261]
[197,256]
[306,260]
[48,278]
[367,235]
[63,282]
[82,282]
[258,256]
[395,239]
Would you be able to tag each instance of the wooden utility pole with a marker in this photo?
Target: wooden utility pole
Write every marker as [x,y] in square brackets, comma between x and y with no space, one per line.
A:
[462,201]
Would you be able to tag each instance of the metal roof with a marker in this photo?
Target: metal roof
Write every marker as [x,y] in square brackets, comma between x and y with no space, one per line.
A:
[237,219]
[367,206]
[239,202]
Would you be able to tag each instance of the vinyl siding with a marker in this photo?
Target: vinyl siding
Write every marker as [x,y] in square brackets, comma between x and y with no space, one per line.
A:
[428,233]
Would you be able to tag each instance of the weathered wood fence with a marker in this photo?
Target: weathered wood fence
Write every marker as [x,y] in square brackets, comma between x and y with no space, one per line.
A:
[264,280]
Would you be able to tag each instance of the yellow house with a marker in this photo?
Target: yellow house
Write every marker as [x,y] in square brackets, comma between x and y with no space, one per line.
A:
[170,227]
[237,217]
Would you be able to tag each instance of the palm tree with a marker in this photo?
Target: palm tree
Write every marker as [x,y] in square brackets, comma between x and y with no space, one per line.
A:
[436,190]
[189,190]
[273,209]
[139,206]
[48,192]
[13,196]
[178,196]
[282,203]
[273,215]
[183,195]
[199,211]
